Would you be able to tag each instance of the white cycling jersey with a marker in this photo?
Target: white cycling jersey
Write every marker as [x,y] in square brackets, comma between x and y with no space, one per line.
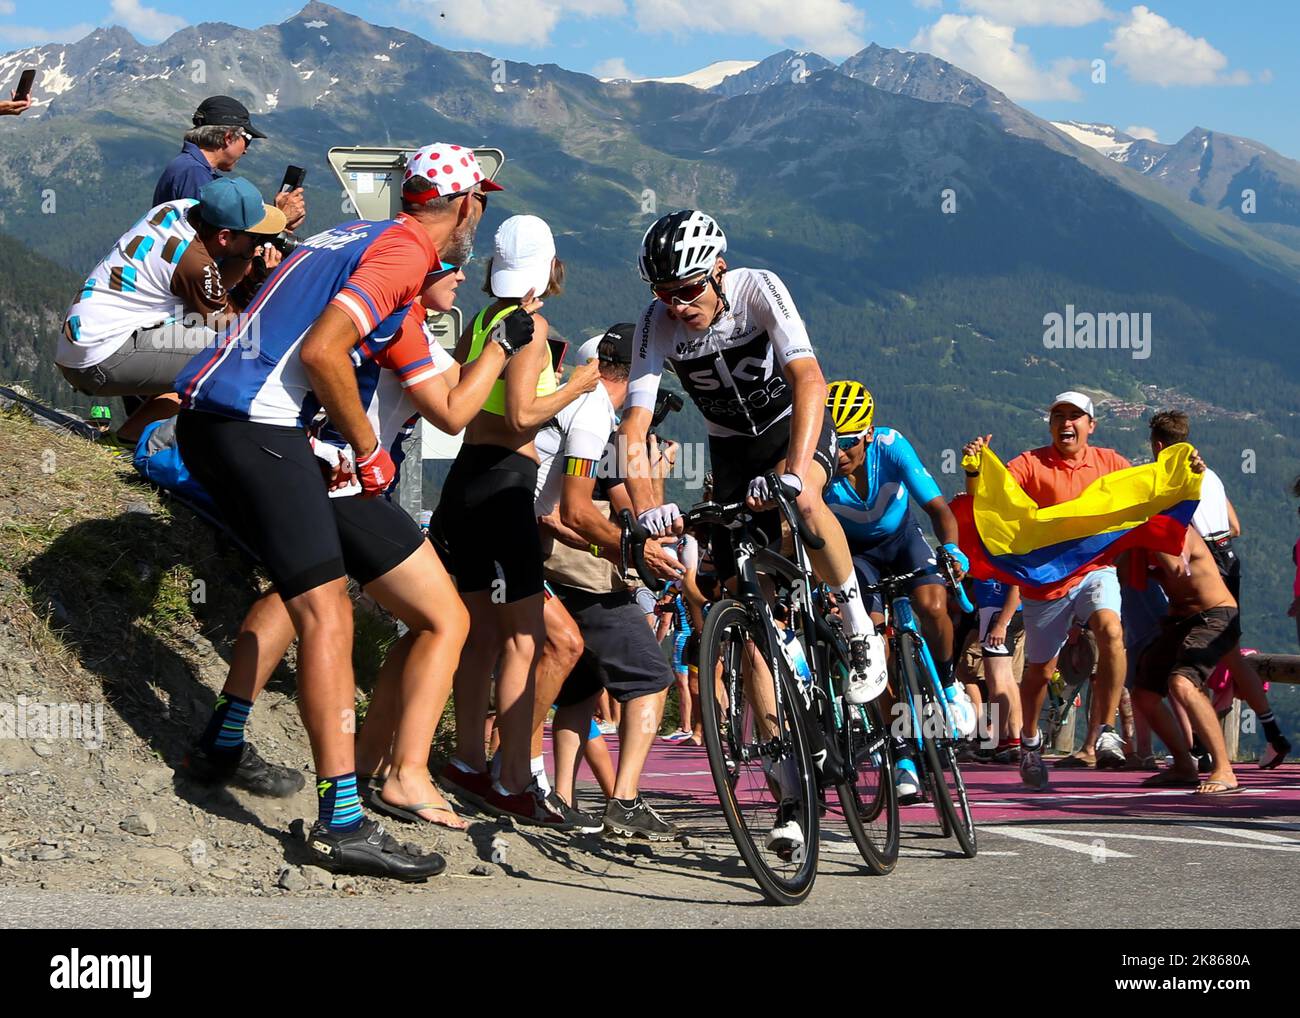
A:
[734,370]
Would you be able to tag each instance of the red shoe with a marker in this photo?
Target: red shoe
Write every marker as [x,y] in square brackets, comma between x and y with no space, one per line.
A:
[527,807]
[472,786]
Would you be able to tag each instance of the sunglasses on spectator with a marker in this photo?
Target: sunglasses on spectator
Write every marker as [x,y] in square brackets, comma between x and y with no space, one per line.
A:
[683,294]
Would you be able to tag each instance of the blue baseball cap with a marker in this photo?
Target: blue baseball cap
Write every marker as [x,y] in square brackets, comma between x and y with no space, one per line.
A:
[232,203]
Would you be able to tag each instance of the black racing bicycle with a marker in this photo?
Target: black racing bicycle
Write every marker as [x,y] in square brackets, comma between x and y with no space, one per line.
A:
[777,725]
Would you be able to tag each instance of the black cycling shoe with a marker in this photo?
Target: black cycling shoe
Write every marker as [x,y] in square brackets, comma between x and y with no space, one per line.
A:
[577,820]
[370,852]
[636,819]
[246,770]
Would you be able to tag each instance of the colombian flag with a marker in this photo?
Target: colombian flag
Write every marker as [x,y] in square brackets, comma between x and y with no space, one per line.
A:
[1008,537]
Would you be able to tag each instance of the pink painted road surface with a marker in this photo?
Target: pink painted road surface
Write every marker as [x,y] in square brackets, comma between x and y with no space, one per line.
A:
[680,772]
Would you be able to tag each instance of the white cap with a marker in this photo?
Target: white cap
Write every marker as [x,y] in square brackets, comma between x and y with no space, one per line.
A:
[522,257]
[590,350]
[1075,399]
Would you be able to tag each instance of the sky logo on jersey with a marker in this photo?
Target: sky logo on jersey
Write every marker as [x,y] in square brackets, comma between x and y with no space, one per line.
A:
[1009,538]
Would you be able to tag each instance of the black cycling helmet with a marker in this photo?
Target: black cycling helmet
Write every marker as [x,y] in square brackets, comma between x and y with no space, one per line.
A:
[680,245]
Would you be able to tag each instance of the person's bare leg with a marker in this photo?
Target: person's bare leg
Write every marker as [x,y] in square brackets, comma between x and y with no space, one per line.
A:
[1205,723]
[1033,691]
[1246,681]
[472,681]
[596,753]
[1184,722]
[562,650]
[636,735]
[931,603]
[322,618]
[159,408]
[524,627]
[264,637]
[1108,683]
[569,733]
[1151,705]
[684,723]
[697,711]
[422,595]
[1003,696]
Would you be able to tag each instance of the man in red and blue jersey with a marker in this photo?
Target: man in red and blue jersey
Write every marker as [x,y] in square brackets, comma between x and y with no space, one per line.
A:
[329,308]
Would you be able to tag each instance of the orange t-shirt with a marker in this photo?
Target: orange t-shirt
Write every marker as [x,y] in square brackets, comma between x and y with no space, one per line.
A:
[1049,479]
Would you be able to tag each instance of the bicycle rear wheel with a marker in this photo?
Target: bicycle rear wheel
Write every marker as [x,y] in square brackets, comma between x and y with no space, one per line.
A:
[869,797]
[943,773]
[759,757]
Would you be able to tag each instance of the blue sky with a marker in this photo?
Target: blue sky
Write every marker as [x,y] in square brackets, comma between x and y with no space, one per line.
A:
[1169,66]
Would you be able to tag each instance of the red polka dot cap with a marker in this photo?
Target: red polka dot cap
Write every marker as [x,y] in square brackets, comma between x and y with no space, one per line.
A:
[451,169]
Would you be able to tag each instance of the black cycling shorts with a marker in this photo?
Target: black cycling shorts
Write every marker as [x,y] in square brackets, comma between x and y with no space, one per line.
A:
[271,493]
[904,551]
[487,520]
[377,535]
[738,459]
[621,653]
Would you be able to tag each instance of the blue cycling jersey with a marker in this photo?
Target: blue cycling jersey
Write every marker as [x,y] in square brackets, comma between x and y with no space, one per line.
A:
[991,594]
[892,471]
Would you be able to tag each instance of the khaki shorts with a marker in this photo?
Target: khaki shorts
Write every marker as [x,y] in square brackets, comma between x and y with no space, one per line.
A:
[145,365]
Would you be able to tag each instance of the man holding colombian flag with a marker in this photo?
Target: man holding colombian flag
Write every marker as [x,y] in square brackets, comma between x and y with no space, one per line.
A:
[1052,521]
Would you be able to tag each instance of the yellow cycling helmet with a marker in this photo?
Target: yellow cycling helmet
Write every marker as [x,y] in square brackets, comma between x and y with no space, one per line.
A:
[851,407]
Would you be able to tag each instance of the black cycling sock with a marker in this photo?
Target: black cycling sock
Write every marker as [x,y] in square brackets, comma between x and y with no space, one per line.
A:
[1271,730]
[944,668]
[225,731]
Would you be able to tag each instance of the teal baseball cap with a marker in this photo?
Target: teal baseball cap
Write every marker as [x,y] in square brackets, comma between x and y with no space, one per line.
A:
[232,203]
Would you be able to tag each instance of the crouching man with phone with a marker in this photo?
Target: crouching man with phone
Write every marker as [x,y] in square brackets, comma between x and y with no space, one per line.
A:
[167,289]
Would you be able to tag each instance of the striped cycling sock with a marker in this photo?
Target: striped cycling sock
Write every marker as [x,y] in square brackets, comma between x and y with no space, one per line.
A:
[338,802]
[225,731]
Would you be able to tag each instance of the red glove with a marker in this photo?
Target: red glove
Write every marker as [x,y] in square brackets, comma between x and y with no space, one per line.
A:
[376,472]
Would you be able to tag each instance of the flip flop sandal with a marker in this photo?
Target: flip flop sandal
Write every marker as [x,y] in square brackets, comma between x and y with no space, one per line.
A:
[411,814]
[1222,789]
[1168,779]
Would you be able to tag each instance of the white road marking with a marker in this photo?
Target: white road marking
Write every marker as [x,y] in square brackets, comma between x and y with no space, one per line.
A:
[1103,835]
[1238,832]
[1042,838]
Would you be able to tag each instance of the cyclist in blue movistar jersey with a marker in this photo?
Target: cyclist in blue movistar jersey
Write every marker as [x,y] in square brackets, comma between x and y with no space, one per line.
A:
[879,476]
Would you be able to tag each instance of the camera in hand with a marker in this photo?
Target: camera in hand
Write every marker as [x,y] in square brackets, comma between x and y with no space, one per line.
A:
[665,403]
[285,242]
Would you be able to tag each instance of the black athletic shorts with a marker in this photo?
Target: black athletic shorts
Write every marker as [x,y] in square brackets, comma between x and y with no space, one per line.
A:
[738,459]
[1190,645]
[621,653]
[487,521]
[377,535]
[271,493]
[904,551]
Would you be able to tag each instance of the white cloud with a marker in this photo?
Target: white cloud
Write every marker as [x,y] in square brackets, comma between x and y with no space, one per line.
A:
[990,52]
[516,22]
[614,67]
[927,5]
[831,27]
[1145,133]
[143,22]
[1155,52]
[6,6]
[34,35]
[1067,13]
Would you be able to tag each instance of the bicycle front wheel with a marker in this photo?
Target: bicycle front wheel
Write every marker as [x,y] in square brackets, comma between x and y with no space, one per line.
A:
[755,734]
[943,773]
[869,797]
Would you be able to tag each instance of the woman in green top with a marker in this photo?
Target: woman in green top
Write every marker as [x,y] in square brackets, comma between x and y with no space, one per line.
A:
[486,518]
